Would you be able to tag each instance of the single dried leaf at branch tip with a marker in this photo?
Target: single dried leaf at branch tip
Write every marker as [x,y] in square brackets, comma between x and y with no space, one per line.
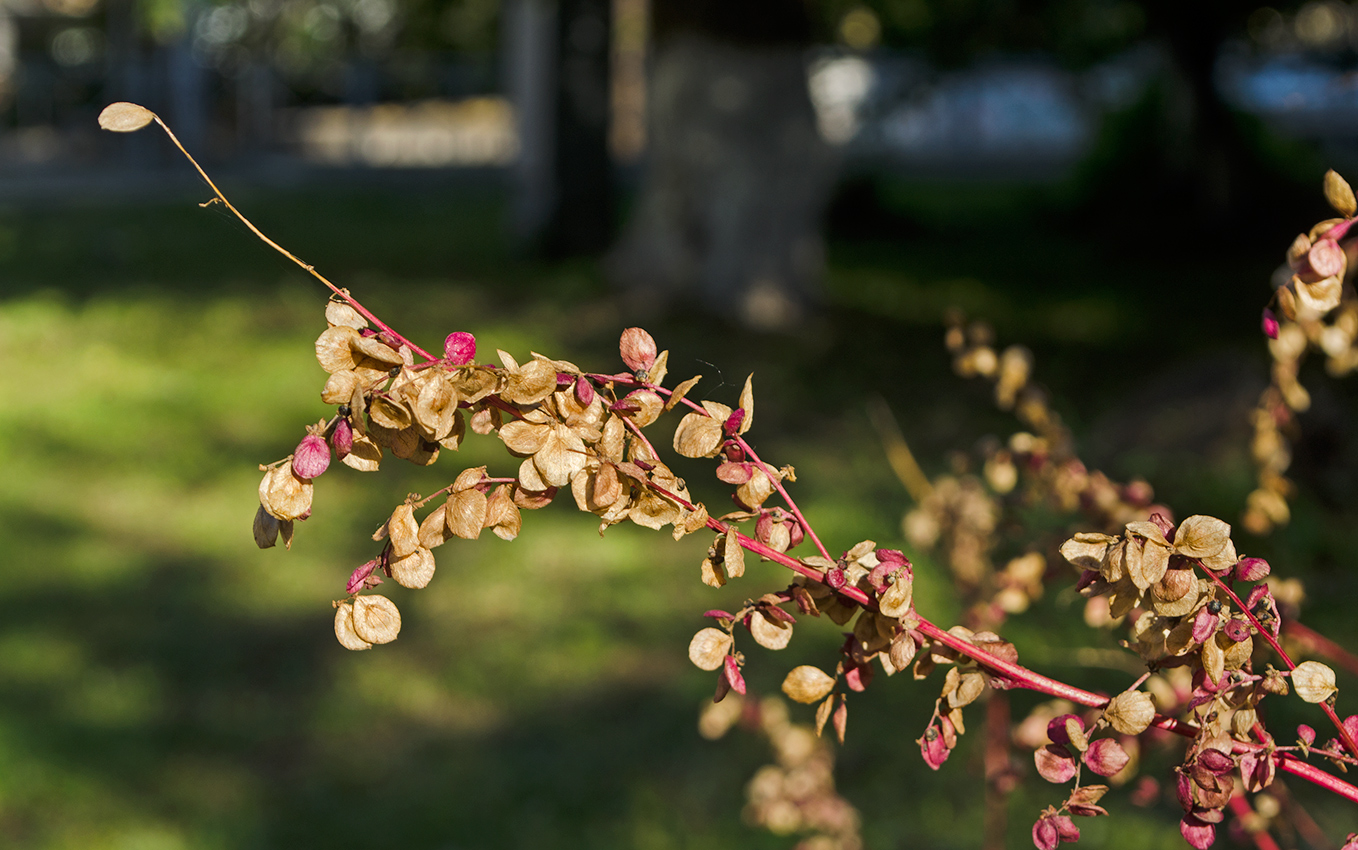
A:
[124,117]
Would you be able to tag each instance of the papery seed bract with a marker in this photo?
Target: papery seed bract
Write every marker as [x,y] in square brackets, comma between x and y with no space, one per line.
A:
[807,684]
[708,647]
[638,349]
[1313,682]
[311,457]
[344,629]
[124,117]
[376,619]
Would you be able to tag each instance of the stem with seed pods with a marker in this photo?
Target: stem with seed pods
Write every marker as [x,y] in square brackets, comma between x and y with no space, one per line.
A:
[307,267]
[1344,735]
[1007,673]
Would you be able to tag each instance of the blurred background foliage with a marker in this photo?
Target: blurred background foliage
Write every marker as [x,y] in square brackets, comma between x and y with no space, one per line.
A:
[1056,168]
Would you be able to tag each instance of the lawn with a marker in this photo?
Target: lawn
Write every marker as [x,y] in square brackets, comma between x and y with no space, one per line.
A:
[164,684]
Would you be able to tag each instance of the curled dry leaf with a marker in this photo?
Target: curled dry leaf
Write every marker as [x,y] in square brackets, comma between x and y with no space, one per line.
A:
[364,455]
[414,570]
[1313,681]
[708,647]
[124,117]
[807,684]
[734,557]
[344,629]
[767,632]
[747,405]
[376,619]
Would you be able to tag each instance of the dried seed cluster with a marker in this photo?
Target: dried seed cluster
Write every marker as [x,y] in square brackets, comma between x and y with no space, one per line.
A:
[1314,308]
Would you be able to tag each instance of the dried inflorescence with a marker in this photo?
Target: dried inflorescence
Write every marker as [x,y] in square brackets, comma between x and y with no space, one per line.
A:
[565,427]
[1313,309]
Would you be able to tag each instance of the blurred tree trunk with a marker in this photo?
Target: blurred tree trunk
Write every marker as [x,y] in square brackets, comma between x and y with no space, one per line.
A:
[557,56]
[730,205]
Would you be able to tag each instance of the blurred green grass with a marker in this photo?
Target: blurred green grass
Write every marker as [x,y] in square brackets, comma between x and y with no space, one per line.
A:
[164,684]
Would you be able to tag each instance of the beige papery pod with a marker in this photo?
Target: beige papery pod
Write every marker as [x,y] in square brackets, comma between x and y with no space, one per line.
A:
[284,495]
[768,632]
[652,510]
[344,315]
[365,456]
[376,619]
[530,383]
[1340,194]
[335,350]
[649,407]
[562,455]
[1146,555]
[807,684]
[677,396]
[896,599]
[612,443]
[435,405]
[708,648]
[1087,551]
[403,531]
[124,117]
[965,687]
[376,350]
[755,491]
[1213,659]
[465,513]
[1130,712]
[414,570]
[339,388]
[389,413]
[656,374]
[1201,537]
[529,478]
[523,437]
[475,383]
[434,529]
[747,405]
[733,555]
[699,435]
[1313,681]
[597,488]
[502,515]
[344,628]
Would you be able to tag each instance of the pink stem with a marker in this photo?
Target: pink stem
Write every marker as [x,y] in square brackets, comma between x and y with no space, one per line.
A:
[792,506]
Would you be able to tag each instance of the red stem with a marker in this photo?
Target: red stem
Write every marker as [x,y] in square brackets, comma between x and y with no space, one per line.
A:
[792,506]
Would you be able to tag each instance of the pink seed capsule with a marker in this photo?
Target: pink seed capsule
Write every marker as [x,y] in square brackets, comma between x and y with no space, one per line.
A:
[460,348]
[311,457]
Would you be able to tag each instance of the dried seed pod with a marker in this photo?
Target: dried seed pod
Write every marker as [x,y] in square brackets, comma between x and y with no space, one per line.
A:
[124,117]
[414,570]
[465,513]
[403,531]
[1130,712]
[708,647]
[807,684]
[376,619]
[1314,682]
[638,349]
[283,494]
[1201,537]
[460,348]
[340,313]
[1337,192]
[698,435]
[769,633]
[502,515]
[311,457]
[344,628]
